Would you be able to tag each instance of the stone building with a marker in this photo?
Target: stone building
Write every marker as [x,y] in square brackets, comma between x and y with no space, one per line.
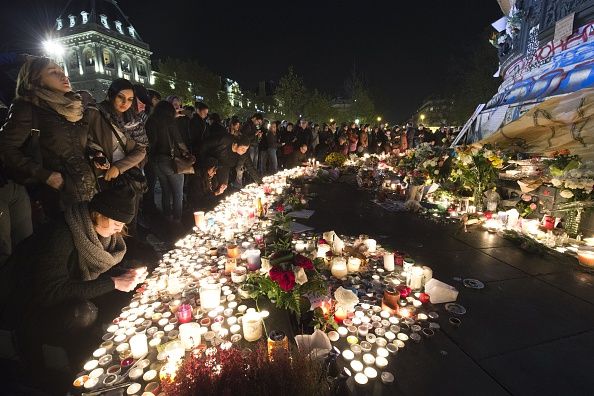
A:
[100,44]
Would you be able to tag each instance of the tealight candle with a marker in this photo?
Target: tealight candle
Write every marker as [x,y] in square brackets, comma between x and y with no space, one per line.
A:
[368,359]
[356,365]
[139,346]
[189,335]
[348,354]
[381,362]
[339,268]
[342,331]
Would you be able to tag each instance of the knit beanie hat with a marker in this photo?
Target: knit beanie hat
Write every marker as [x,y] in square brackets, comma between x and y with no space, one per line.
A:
[117,203]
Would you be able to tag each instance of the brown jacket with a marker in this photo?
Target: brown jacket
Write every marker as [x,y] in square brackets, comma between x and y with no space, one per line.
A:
[101,138]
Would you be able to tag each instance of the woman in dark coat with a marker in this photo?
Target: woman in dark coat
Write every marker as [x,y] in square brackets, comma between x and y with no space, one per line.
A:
[203,188]
[164,139]
[49,283]
[47,112]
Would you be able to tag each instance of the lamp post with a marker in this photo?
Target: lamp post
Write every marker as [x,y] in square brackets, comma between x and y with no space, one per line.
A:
[379,119]
[54,49]
[422,118]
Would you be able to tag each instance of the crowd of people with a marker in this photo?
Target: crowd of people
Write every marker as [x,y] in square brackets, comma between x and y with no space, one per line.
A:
[76,174]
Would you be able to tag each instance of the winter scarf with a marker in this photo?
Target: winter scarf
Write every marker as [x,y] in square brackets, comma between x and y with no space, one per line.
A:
[68,105]
[96,254]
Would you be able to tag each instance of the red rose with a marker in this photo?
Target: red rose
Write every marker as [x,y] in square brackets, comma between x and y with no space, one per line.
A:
[322,242]
[404,291]
[303,262]
[424,298]
[285,279]
[280,208]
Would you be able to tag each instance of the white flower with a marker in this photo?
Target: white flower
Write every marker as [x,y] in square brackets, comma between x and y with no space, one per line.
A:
[300,276]
[487,153]
[436,172]
[566,194]
[556,182]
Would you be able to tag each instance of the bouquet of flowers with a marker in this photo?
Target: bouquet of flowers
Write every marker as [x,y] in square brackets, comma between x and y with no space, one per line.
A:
[576,181]
[475,168]
[290,278]
[335,160]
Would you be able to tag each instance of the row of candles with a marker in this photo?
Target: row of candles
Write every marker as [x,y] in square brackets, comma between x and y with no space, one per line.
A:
[191,300]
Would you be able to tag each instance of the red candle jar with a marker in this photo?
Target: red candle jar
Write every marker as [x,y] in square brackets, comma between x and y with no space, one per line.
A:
[398,258]
[340,314]
[184,313]
[549,222]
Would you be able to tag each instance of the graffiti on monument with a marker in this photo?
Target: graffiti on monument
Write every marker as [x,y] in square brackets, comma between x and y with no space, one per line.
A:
[555,68]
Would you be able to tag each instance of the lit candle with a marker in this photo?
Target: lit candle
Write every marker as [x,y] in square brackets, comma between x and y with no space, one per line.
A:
[253,259]
[348,354]
[200,220]
[356,365]
[415,278]
[586,256]
[189,334]
[139,346]
[371,245]
[210,296]
[184,313]
[353,264]
[342,331]
[339,268]
[322,250]
[252,326]
[389,262]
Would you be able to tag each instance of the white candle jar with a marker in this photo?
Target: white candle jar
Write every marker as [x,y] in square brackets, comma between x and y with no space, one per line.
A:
[252,326]
[210,296]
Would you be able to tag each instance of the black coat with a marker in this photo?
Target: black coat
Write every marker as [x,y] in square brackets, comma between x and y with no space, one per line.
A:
[222,151]
[303,136]
[216,131]
[44,271]
[162,134]
[197,133]
[62,148]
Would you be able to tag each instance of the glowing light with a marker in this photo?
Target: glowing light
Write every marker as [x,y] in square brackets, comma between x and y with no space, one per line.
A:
[52,47]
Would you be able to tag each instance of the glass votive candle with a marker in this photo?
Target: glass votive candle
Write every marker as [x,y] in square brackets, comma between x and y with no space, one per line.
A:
[356,348]
[356,321]
[390,336]
[352,329]
[383,352]
[380,332]
[381,362]
[381,342]
[342,331]
[402,337]
[352,339]
[363,330]
[357,366]
[368,359]
[392,349]
[370,338]
[366,346]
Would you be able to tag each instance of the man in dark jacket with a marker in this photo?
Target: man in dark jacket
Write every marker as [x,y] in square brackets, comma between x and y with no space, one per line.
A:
[230,153]
[303,134]
[216,129]
[297,157]
[198,127]
[251,130]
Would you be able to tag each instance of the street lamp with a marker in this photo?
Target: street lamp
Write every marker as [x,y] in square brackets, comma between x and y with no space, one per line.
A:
[357,121]
[422,117]
[331,120]
[53,48]
[378,118]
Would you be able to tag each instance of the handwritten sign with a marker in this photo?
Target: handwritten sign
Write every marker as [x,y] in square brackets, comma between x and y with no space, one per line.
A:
[564,27]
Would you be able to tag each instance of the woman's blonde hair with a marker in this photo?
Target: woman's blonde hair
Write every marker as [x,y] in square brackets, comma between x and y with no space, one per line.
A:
[96,216]
[29,78]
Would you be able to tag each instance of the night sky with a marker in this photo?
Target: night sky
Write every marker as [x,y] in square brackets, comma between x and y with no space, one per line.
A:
[401,50]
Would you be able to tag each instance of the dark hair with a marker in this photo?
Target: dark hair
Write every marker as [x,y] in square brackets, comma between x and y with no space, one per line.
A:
[142,94]
[189,108]
[243,140]
[29,77]
[117,86]
[290,123]
[258,116]
[154,94]
[164,109]
[201,106]
[234,120]
[216,118]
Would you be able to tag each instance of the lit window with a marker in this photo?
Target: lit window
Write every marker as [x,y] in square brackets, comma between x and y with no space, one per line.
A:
[141,69]
[104,21]
[108,58]
[126,66]
[118,26]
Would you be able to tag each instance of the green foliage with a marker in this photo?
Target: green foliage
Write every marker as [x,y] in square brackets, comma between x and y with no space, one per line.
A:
[324,322]
[318,107]
[291,94]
